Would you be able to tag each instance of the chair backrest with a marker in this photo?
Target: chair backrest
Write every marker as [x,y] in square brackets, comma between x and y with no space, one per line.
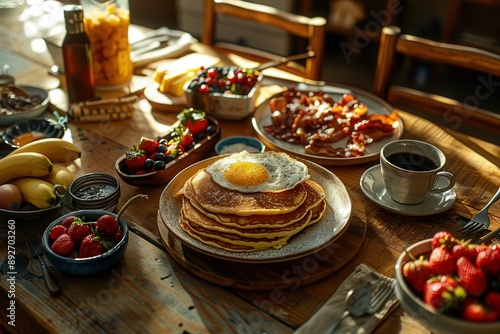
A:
[457,115]
[311,29]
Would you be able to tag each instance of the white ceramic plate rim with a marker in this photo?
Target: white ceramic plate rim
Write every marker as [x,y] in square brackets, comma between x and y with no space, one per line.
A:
[262,117]
[334,222]
[372,185]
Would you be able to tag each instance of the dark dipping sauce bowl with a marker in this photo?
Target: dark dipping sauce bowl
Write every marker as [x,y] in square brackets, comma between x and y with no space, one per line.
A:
[93,191]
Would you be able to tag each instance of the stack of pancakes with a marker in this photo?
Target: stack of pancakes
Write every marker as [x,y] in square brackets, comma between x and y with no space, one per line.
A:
[243,222]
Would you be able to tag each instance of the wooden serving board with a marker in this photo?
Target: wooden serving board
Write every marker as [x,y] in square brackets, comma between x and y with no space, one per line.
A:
[269,276]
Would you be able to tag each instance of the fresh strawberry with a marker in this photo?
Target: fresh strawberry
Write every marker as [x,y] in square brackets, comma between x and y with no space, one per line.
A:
[56,231]
[441,261]
[174,149]
[471,278]
[107,225]
[489,260]
[443,293]
[478,313]
[67,221]
[463,249]
[118,236]
[91,246]
[442,238]
[186,139]
[416,272]
[78,230]
[135,159]
[63,245]
[148,145]
[492,299]
[194,120]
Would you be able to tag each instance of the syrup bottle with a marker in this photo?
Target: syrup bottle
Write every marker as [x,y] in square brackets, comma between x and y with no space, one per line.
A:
[77,56]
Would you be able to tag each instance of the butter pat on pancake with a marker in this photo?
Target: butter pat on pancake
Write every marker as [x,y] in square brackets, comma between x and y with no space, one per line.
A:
[214,198]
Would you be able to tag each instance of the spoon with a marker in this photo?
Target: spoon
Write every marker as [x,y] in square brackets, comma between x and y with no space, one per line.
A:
[357,300]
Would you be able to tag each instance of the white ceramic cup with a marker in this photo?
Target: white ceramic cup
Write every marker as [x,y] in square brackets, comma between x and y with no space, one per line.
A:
[411,170]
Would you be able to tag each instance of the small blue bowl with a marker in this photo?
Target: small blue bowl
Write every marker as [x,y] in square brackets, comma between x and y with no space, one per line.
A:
[237,144]
[90,265]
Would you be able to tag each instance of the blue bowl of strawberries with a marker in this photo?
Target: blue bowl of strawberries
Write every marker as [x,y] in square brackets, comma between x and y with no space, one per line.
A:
[85,242]
[450,285]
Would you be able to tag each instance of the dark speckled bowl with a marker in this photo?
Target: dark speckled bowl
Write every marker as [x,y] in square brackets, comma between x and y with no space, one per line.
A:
[90,265]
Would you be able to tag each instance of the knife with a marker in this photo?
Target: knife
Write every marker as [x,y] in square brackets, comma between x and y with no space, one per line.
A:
[487,237]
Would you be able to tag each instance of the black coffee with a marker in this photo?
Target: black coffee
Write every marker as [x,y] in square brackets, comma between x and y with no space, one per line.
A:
[412,161]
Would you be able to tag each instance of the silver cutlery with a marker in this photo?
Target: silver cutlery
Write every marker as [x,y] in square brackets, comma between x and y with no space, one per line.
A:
[35,248]
[480,220]
[487,237]
[360,300]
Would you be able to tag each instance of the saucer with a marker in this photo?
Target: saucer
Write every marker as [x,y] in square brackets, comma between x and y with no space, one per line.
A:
[373,187]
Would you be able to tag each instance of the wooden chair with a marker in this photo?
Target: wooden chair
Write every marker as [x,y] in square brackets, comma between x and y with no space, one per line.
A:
[310,29]
[457,115]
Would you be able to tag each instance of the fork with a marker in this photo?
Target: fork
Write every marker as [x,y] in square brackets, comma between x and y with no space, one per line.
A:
[480,220]
[381,295]
[35,248]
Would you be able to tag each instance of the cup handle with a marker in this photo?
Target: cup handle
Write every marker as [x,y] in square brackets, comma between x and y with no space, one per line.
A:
[451,182]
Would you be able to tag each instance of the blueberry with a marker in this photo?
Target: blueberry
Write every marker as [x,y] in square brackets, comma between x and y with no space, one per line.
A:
[211,129]
[160,164]
[163,141]
[169,158]
[162,148]
[160,156]
[200,136]
[174,134]
[149,163]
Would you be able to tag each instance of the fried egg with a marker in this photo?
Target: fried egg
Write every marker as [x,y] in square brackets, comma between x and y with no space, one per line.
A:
[258,172]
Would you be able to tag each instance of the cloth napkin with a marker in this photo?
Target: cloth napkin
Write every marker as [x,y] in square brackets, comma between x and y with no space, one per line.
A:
[321,321]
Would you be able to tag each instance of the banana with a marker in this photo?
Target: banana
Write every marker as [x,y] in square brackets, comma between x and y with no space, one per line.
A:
[60,175]
[24,164]
[36,191]
[56,149]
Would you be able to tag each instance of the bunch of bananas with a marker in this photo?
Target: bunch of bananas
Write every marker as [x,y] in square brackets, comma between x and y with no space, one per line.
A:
[34,168]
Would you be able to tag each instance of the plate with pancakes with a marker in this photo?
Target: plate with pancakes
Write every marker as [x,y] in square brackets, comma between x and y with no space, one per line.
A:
[256,207]
[321,125]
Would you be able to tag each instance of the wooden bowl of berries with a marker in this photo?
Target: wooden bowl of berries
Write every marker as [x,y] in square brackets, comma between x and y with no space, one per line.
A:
[450,285]
[153,162]
[225,92]
[87,242]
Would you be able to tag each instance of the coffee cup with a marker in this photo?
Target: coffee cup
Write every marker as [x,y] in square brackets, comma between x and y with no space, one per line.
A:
[412,169]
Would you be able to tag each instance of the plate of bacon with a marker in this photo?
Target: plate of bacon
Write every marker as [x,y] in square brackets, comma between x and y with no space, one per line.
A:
[330,125]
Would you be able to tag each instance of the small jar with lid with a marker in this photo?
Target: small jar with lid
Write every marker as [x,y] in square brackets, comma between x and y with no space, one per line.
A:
[77,55]
[107,23]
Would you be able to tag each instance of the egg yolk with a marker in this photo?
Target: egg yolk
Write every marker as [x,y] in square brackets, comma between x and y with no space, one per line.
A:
[246,174]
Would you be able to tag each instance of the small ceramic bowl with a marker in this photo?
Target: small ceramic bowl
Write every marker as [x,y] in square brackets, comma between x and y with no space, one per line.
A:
[90,265]
[24,132]
[237,144]
[30,113]
[97,191]
[438,323]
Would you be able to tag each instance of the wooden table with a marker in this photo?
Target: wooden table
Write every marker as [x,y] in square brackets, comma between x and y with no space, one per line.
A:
[148,291]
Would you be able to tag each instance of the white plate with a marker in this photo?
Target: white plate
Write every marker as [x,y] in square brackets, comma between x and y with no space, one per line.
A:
[313,238]
[372,185]
[262,117]
[164,101]
[6,120]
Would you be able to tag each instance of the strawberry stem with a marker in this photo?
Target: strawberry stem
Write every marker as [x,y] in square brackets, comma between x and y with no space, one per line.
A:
[128,203]
[410,255]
